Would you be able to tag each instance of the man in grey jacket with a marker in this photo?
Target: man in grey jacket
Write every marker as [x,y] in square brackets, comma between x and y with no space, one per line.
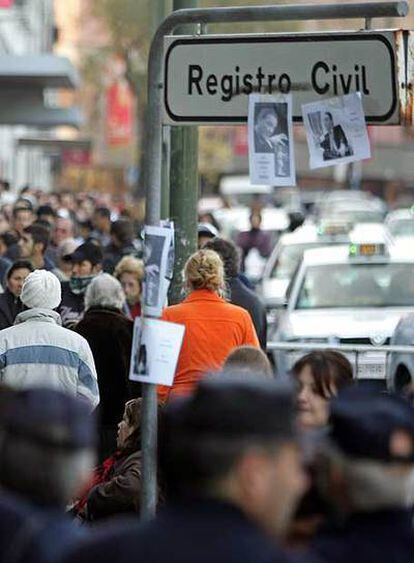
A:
[38,352]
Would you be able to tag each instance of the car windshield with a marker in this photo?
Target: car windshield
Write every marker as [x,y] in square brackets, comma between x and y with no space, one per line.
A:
[402,228]
[357,285]
[356,216]
[290,256]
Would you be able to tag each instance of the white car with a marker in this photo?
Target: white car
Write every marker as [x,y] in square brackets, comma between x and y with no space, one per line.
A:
[400,223]
[352,294]
[237,219]
[287,255]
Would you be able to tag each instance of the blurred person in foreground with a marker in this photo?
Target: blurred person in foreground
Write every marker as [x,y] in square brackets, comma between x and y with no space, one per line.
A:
[130,273]
[38,352]
[10,303]
[213,327]
[320,376]
[47,441]
[238,293]
[366,472]
[86,264]
[230,465]
[115,487]
[250,360]
[109,334]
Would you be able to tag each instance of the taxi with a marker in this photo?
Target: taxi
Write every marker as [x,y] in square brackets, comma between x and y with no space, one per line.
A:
[401,223]
[350,294]
[287,255]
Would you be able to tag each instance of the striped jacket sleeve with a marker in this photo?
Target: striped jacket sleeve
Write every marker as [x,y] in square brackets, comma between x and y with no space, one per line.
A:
[87,377]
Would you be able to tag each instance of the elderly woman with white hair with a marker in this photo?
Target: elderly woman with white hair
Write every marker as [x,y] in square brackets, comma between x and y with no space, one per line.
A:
[109,333]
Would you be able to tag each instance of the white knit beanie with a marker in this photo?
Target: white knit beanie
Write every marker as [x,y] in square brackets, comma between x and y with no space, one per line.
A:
[41,289]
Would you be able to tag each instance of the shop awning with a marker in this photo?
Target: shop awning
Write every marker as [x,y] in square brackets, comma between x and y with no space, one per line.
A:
[54,143]
[41,71]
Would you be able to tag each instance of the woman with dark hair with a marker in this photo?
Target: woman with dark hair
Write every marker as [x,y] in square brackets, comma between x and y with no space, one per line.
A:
[320,376]
[10,304]
[116,484]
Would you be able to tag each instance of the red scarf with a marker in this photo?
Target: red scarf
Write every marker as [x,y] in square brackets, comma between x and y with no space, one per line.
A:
[100,475]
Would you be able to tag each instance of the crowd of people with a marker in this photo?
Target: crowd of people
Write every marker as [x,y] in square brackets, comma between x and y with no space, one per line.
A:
[309,467]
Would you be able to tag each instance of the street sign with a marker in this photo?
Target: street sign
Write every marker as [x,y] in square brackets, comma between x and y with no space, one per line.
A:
[209,79]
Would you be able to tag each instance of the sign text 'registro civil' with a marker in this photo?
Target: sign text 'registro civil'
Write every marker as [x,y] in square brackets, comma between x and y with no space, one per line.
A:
[209,79]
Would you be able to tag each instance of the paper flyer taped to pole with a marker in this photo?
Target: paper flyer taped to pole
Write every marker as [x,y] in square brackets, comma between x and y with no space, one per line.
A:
[271,147]
[157,250]
[156,346]
[336,131]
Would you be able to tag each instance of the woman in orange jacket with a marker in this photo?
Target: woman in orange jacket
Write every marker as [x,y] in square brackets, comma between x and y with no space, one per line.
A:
[213,327]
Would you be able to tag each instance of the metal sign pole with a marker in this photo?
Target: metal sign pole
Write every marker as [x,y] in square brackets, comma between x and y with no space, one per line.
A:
[184,187]
[153,163]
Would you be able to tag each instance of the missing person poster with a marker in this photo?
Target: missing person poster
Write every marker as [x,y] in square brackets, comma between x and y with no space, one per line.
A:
[156,346]
[271,147]
[157,251]
[336,131]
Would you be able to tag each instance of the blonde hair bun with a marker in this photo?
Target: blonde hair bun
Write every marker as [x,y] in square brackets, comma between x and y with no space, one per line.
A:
[205,270]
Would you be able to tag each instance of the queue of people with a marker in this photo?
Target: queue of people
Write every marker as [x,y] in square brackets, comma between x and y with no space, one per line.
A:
[309,466]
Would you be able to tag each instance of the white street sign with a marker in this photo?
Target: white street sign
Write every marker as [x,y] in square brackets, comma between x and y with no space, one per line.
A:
[208,80]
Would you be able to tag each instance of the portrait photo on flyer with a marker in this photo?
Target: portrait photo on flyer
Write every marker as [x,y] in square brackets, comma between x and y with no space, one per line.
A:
[138,365]
[156,257]
[156,346]
[336,131]
[270,136]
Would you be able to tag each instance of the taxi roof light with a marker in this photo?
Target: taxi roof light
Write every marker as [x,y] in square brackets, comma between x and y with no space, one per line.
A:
[361,250]
[334,229]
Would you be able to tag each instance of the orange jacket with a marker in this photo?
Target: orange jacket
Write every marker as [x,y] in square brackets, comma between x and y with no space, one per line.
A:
[213,328]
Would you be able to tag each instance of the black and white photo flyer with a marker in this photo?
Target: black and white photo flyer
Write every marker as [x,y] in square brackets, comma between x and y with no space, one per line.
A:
[156,346]
[271,147]
[336,131]
[156,252]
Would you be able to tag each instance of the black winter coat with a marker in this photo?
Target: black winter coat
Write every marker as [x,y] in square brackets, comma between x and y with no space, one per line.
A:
[10,307]
[191,532]
[379,537]
[71,307]
[109,334]
[243,297]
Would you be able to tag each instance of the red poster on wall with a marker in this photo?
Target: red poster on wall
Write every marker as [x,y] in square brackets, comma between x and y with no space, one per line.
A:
[76,157]
[240,146]
[6,3]
[119,114]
